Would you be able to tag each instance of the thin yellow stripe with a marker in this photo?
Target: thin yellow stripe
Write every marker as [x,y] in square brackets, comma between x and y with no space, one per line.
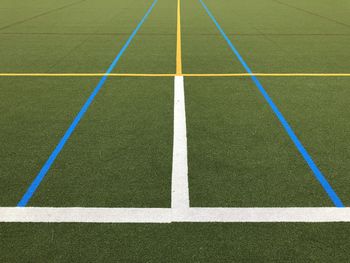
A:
[173,75]
[270,75]
[84,75]
[178,41]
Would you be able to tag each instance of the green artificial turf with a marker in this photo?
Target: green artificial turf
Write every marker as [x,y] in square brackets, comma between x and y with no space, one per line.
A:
[153,48]
[239,242]
[35,113]
[220,138]
[121,153]
[202,45]
[317,110]
[275,37]
[84,37]
[239,154]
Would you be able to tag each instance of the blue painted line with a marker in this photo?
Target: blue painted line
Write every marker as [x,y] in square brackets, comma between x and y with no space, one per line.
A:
[318,174]
[35,184]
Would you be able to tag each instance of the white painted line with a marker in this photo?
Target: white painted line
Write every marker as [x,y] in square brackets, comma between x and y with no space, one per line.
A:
[179,185]
[85,215]
[306,214]
[168,215]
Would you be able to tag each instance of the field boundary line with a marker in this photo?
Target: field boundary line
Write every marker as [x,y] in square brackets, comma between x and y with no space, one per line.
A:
[175,74]
[308,159]
[179,176]
[42,173]
[179,182]
[178,40]
[269,75]
[86,75]
[169,215]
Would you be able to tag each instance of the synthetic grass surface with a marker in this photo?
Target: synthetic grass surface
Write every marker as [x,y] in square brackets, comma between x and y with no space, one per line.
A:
[273,36]
[153,48]
[241,242]
[317,110]
[121,153]
[35,112]
[85,36]
[239,154]
[204,51]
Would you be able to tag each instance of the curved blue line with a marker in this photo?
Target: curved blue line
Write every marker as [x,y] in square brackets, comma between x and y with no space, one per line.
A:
[318,174]
[35,184]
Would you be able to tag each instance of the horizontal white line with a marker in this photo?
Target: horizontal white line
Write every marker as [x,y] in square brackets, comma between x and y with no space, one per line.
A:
[168,215]
[264,215]
[85,215]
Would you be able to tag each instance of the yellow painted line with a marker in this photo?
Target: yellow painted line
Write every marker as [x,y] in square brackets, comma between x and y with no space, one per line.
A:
[302,74]
[83,75]
[51,74]
[270,75]
[173,75]
[178,41]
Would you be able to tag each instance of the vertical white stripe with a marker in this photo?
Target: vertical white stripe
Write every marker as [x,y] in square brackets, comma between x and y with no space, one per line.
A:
[179,188]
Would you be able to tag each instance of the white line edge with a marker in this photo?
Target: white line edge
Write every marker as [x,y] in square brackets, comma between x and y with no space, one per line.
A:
[169,215]
[179,183]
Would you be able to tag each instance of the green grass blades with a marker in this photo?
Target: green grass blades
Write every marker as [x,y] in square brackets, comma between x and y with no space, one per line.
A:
[239,155]
[35,112]
[245,242]
[121,153]
[317,110]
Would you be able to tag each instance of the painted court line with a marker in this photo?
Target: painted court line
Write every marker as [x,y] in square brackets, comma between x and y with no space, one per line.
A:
[318,174]
[175,74]
[85,75]
[179,185]
[35,184]
[178,40]
[168,215]
[85,215]
[269,75]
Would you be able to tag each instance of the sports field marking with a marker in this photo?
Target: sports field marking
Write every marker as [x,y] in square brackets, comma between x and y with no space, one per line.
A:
[169,215]
[35,184]
[178,40]
[179,183]
[270,75]
[83,75]
[174,75]
[318,174]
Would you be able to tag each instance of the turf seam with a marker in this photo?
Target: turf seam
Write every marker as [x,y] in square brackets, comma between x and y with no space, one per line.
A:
[41,14]
[82,42]
[312,13]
